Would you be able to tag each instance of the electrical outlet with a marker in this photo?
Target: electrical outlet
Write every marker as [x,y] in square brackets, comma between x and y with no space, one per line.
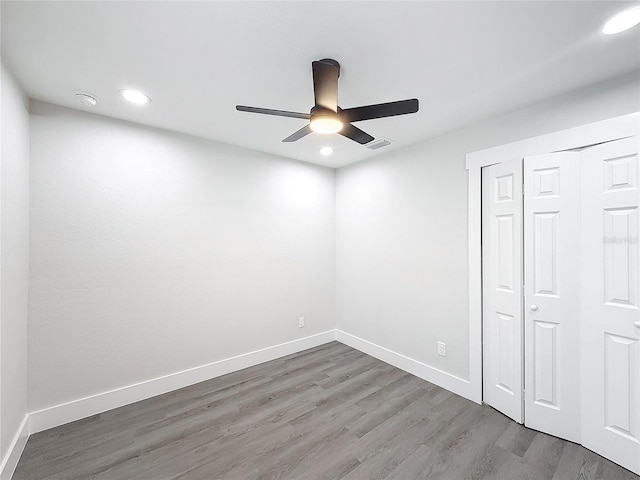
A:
[442,349]
[300,322]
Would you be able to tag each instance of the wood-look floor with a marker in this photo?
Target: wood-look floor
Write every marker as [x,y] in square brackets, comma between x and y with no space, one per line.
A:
[326,413]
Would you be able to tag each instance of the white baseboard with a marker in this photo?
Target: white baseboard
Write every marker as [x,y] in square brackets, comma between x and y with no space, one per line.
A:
[9,463]
[84,407]
[445,380]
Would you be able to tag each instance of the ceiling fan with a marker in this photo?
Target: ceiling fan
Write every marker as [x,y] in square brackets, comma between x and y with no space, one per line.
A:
[326,116]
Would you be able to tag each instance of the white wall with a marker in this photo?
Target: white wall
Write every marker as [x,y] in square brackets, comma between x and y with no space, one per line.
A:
[402,269]
[153,252]
[14,259]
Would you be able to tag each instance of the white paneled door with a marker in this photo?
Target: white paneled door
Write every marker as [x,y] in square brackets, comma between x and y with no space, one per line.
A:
[561,293]
[502,286]
[610,293]
[552,293]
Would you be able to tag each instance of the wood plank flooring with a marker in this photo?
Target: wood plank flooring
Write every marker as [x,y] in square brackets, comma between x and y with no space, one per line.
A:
[330,412]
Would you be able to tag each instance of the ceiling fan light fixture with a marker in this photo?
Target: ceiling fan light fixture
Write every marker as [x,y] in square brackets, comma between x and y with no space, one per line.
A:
[326,124]
[327,117]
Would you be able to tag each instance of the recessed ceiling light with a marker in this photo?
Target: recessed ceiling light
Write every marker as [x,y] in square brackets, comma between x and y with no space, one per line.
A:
[135,96]
[86,99]
[622,21]
[326,151]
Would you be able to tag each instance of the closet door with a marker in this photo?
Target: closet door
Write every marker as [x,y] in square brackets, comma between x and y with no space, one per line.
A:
[552,293]
[610,294]
[502,287]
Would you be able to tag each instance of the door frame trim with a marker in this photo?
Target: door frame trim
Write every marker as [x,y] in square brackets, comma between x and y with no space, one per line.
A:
[597,132]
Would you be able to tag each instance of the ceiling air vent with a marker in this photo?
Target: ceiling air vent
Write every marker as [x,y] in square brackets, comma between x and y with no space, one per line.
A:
[379,143]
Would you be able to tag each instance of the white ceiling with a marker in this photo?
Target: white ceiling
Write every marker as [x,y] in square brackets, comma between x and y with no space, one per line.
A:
[197,60]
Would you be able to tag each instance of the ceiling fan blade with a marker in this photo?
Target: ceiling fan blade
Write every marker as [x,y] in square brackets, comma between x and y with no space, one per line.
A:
[380,110]
[268,111]
[325,84]
[354,133]
[304,131]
